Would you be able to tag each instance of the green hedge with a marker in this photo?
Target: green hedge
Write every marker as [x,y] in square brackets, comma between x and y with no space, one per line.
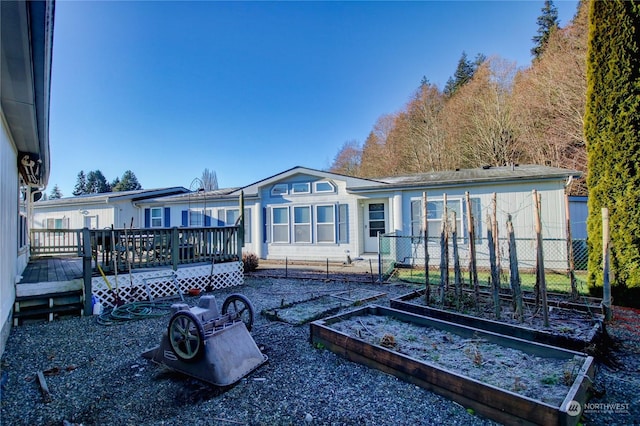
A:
[612,126]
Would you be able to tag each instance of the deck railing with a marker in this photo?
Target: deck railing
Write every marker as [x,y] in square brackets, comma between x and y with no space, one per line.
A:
[55,242]
[127,249]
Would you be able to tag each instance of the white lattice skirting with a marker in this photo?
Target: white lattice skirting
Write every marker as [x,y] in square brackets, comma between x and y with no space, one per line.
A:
[166,282]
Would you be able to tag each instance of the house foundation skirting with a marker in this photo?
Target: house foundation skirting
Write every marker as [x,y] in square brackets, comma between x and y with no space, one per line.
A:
[165,282]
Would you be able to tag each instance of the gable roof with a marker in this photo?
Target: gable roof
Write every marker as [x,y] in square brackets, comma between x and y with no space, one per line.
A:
[109,197]
[253,189]
[194,196]
[483,175]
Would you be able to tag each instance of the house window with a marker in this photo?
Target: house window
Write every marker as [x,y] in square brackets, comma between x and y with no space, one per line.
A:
[325,224]
[435,212]
[156,217]
[58,223]
[196,218]
[280,225]
[22,232]
[343,223]
[302,224]
[300,188]
[231,216]
[280,189]
[324,186]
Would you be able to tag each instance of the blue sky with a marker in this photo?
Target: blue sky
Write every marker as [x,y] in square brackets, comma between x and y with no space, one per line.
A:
[250,89]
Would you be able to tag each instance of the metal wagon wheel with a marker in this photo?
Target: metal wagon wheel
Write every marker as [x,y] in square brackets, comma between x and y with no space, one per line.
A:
[239,306]
[186,336]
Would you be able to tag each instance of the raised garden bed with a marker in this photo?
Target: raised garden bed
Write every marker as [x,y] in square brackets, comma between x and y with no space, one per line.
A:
[507,379]
[568,328]
[304,311]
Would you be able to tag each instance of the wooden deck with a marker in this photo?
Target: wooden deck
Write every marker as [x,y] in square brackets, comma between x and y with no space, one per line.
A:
[50,287]
[52,269]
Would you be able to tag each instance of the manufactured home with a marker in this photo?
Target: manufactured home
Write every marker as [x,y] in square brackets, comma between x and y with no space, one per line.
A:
[307,214]
[97,211]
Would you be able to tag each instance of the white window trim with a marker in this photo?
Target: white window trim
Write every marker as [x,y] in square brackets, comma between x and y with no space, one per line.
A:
[307,191]
[287,224]
[280,189]
[307,224]
[151,217]
[325,191]
[333,224]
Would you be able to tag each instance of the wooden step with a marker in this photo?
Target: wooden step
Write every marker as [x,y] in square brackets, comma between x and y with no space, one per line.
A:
[47,306]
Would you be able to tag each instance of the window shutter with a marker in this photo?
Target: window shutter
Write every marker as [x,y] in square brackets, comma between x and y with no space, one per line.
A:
[167,217]
[343,223]
[267,222]
[147,218]
[185,218]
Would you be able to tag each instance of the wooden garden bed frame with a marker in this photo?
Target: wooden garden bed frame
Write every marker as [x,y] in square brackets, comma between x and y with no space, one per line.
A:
[487,400]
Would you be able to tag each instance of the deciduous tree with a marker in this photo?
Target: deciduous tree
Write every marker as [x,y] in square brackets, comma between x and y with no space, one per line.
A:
[347,161]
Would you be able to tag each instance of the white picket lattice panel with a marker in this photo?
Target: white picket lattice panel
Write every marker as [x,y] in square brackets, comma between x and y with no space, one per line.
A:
[131,287]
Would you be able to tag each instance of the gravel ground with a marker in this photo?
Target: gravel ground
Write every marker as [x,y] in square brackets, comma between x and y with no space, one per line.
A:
[96,375]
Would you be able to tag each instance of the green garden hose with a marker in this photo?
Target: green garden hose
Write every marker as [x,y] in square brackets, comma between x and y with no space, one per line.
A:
[134,311]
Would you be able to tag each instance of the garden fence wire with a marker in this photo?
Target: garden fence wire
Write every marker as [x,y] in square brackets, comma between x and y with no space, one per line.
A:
[403,258]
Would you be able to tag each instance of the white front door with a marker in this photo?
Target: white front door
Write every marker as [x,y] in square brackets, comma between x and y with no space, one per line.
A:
[374,223]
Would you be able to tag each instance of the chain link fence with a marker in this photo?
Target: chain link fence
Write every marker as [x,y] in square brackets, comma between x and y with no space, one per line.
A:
[403,258]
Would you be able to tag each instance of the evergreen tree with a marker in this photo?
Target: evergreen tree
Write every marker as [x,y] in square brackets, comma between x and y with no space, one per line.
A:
[129,182]
[612,121]
[464,73]
[96,183]
[547,23]
[55,193]
[81,184]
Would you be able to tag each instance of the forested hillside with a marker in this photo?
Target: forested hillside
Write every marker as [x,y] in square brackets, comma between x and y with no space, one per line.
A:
[489,113]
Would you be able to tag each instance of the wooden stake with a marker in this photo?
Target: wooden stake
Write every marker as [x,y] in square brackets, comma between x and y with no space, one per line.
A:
[606,258]
[496,240]
[425,231]
[495,283]
[46,395]
[537,200]
[473,271]
[456,260]
[514,272]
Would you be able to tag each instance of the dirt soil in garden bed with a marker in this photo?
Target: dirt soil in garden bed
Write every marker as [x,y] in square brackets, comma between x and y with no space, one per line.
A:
[543,379]
[306,311]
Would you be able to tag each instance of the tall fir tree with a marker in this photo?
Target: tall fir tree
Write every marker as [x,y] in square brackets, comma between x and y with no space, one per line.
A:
[96,183]
[464,73]
[547,23]
[612,121]
[55,193]
[81,184]
[129,182]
